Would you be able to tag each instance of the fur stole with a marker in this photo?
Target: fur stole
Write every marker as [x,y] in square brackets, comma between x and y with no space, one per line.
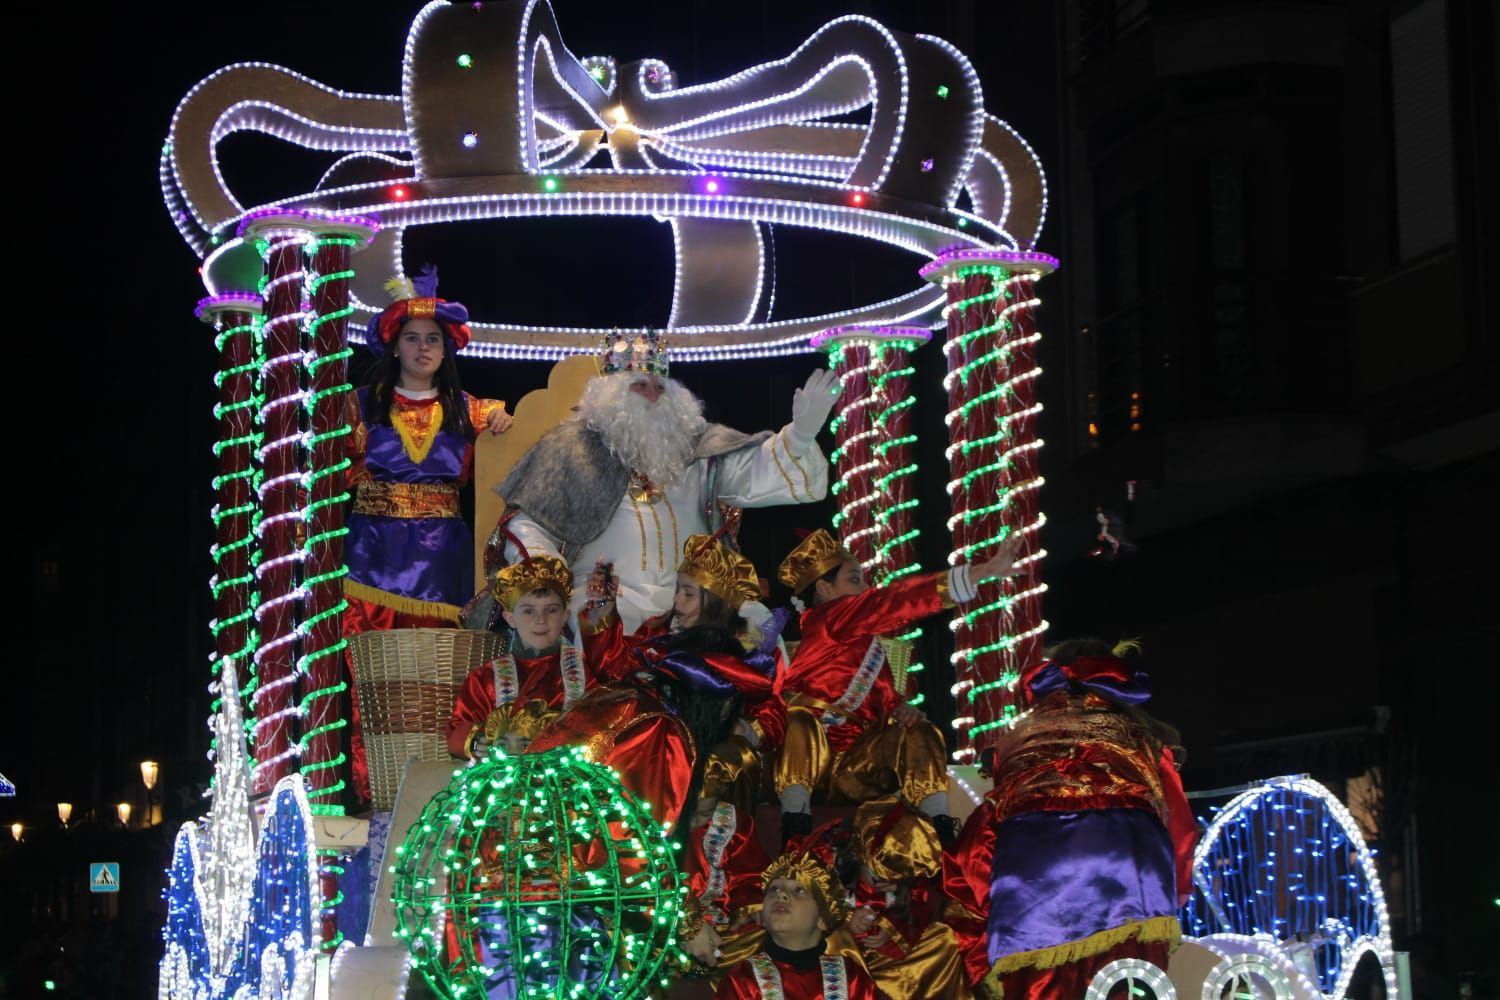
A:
[570,484]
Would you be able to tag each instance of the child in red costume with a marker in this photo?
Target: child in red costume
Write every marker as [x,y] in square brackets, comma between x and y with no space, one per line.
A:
[717,587]
[722,861]
[849,736]
[803,903]
[910,956]
[540,665]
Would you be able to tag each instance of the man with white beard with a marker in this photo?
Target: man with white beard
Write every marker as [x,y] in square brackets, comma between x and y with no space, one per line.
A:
[639,470]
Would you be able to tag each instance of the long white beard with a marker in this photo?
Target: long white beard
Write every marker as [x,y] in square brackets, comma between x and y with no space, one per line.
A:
[654,439]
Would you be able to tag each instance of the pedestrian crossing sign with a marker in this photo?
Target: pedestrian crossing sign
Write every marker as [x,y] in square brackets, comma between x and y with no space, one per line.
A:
[104,876]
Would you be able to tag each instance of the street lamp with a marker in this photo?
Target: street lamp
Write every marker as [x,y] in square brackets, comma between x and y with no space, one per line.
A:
[122,810]
[15,831]
[65,812]
[150,774]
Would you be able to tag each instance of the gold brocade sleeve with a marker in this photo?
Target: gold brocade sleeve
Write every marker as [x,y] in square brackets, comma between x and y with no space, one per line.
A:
[945,591]
[358,439]
[480,410]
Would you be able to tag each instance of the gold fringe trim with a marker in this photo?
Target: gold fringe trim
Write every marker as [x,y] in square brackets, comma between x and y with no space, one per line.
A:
[1152,929]
[406,605]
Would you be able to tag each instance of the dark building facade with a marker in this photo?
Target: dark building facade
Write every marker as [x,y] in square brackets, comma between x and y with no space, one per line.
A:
[1274,342]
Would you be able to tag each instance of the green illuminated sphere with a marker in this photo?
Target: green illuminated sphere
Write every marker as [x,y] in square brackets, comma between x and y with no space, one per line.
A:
[537,876]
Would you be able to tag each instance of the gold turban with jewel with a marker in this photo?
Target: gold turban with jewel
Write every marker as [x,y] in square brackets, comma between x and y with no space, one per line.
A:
[719,570]
[813,557]
[535,573]
[810,868]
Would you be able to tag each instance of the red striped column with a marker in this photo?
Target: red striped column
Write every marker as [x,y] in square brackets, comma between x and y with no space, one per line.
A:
[855,359]
[235,318]
[873,454]
[990,352]
[326,416]
[280,239]
[874,457]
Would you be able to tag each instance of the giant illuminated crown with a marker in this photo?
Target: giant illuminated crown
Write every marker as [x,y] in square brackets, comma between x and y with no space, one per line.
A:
[498,119]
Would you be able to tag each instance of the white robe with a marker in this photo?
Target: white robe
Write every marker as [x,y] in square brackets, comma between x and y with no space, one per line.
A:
[644,540]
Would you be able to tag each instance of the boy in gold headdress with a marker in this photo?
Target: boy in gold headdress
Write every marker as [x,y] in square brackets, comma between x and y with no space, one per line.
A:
[803,903]
[539,674]
[849,736]
[909,955]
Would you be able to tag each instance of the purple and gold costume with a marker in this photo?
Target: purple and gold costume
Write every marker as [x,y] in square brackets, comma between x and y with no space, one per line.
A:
[409,549]
[1078,855]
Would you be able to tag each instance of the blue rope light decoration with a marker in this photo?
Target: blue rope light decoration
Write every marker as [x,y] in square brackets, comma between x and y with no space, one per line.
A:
[1285,862]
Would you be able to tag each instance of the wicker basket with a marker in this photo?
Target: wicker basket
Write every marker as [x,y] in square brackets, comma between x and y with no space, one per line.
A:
[406,681]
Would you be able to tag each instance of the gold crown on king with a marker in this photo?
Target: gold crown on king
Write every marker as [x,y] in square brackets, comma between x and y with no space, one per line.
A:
[640,352]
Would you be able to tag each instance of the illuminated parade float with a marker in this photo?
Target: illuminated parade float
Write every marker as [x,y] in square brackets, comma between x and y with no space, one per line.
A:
[492,885]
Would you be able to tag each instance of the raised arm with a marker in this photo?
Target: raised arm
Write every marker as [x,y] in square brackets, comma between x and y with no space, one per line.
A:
[789,467]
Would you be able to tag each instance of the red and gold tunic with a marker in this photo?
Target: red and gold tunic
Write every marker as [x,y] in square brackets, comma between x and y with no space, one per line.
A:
[1075,779]
[555,679]
[723,864]
[607,654]
[539,678]
[966,883]
[761,977]
[629,729]
[1074,753]
[920,958]
[836,638]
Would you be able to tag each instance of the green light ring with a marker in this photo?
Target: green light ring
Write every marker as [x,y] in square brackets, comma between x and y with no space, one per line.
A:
[330,903]
[244,439]
[884,377]
[885,446]
[242,509]
[319,539]
[333,650]
[317,397]
[218,587]
[229,477]
[221,410]
[1007,681]
[901,571]
[900,539]
[884,516]
[318,281]
[884,482]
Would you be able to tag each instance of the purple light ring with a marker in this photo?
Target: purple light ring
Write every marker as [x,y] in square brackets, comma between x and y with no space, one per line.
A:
[277,217]
[209,308]
[1017,261]
[839,334]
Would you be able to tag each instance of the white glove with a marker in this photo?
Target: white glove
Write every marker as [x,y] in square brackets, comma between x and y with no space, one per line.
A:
[755,614]
[812,403]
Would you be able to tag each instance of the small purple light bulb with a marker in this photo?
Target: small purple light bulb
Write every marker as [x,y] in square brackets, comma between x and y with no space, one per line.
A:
[470,140]
[927,165]
[712,186]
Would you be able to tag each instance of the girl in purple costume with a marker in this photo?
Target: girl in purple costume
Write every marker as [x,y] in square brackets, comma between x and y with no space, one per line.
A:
[409,550]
